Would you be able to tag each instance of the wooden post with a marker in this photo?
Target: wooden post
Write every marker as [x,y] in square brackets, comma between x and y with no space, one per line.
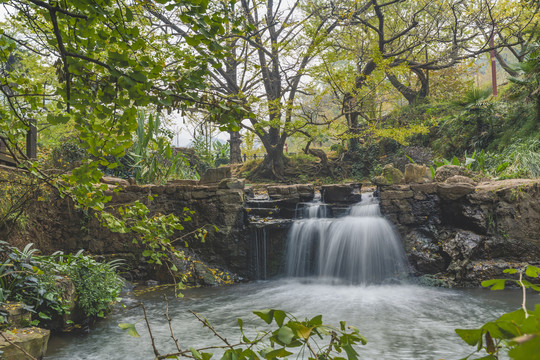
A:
[493,63]
[31,140]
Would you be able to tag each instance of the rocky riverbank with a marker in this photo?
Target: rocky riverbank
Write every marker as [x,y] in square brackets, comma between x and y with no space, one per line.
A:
[462,231]
[453,228]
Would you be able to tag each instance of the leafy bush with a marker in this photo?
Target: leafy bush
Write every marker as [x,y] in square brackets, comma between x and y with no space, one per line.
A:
[23,280]
[34,279]
[96,283]
[474,127]
[16,190]
[519,160]
[367,159]
[68,154]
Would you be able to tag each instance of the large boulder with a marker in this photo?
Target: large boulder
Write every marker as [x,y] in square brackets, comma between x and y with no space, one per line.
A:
[232,183]
[306,192]
[340,193]
[415,173]
[283,192]
[16,315]
[390,176]
[446,171]
[454,191]
[215,175]
[33,340]
[465,245]
[460,179]
[111,180]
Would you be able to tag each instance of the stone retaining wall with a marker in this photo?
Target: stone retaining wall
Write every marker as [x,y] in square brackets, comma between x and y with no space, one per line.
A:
[56,225]
[466,233]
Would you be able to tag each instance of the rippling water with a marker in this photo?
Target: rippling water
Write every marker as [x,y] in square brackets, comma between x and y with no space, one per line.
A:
[399,321]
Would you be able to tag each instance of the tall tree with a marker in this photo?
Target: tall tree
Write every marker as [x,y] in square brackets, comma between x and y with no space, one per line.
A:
[109,62]
[407,39]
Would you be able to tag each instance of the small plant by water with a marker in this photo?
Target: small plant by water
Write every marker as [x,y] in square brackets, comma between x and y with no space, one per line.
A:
[516,333]
[37,281]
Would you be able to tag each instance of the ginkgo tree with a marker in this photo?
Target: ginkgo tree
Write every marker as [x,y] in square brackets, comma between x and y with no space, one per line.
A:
[108,63]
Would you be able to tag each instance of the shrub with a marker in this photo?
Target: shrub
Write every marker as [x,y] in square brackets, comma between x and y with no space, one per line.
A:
[34,280]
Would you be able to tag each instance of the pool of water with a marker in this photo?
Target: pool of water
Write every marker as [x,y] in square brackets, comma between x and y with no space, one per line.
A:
[399,321]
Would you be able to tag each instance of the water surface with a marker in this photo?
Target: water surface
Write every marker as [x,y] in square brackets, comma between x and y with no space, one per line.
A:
[399,321]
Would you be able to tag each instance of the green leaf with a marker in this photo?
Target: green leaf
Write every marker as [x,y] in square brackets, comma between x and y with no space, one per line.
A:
[510,271]
[44,316]
[147,253]
[279,316]
[316,321]
[351,353]
[276,353]
[130,329]
[267,315]
[532,271]
[195,354]
[471,337]
[528,350]
[495,284]
[285,335]
[432,170]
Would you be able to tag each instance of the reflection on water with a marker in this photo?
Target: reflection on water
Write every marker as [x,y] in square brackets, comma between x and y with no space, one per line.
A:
[399,321]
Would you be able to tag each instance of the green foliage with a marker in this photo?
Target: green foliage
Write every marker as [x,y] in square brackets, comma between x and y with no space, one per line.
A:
[518,160]
[151,230]
[68,154]
[211,153]
[473,127]
[367,160]
[516,333]
[96,283]
[35,280]
[151,157]
[154,231]
[529,81]
[288,336]
[16,190]
[222,152]
[107,63]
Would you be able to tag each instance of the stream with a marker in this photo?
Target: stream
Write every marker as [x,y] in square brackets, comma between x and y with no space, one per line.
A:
[399,321]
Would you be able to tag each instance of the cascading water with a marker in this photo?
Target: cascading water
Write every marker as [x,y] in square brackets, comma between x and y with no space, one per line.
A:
[260,253]
[360,248]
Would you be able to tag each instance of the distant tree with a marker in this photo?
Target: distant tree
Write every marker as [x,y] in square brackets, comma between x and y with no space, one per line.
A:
[406,40]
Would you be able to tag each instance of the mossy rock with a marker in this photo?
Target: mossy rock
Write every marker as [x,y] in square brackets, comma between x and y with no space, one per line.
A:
[33,340]
[390,176]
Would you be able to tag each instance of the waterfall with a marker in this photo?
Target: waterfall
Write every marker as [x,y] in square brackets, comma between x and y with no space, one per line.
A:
[360,248]
[315,209]
[260,253]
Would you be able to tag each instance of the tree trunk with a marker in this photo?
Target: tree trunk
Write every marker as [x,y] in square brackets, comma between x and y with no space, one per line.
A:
[412,96]
[273,166]
[236,152]
[317,153]
[352,121]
